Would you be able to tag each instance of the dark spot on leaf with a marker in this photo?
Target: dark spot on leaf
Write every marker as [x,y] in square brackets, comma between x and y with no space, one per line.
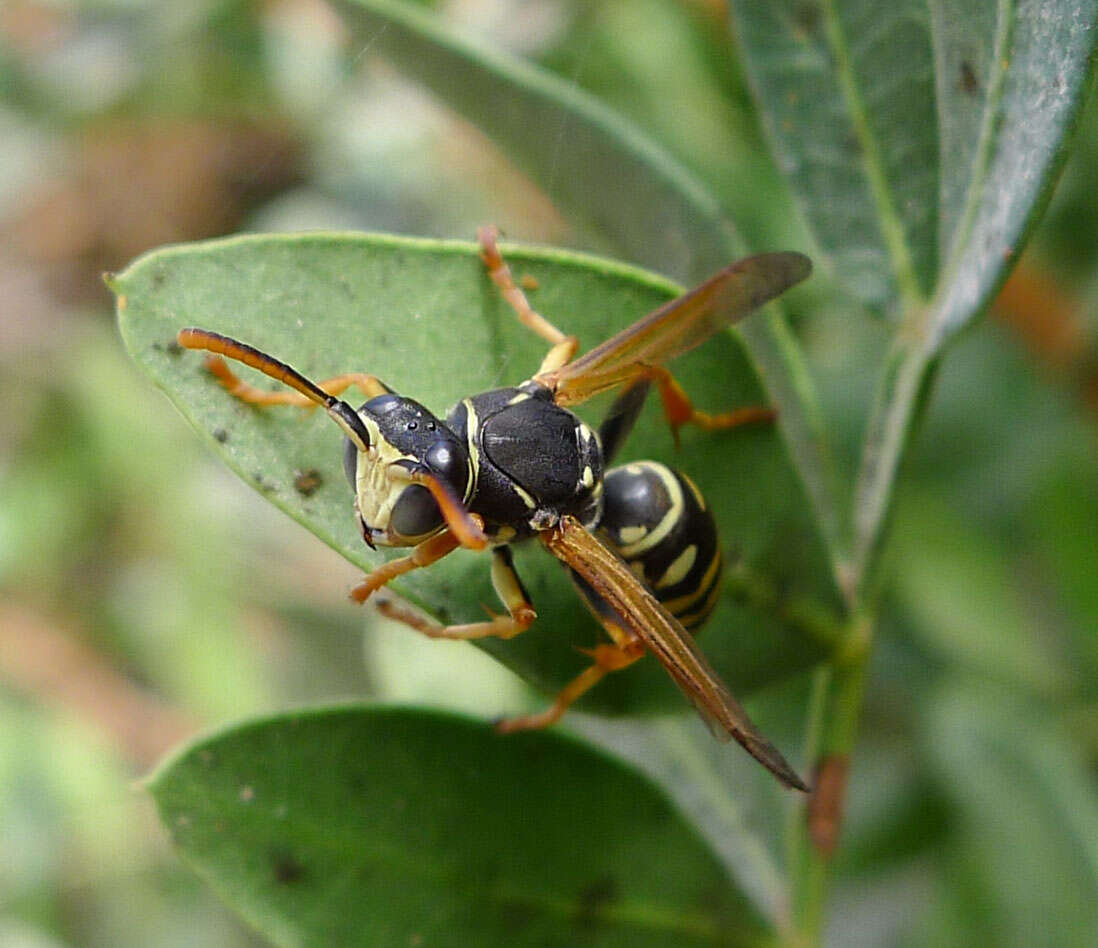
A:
[807,17]
[852,144]
[158,277]
[287,870]
[307,482]
[220,435]
[970,85]
[263,484]
[173,348]
[594,899]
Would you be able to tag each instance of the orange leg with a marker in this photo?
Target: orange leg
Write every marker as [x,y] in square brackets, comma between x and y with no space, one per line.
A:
[679,409]
[608,658]
[510,591]
[428,552]
[237,387]
[564,347]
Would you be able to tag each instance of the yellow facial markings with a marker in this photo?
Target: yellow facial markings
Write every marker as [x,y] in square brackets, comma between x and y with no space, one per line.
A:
[632,534]
[520,397]
[588,477]
[376,489]
[677,571]
[505,533]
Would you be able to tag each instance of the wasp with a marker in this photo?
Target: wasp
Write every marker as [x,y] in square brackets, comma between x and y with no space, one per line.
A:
[513,464]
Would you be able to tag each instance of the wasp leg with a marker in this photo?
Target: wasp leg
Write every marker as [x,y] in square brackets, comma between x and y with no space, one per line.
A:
[237,387]
[428,552]
[564,347]
[621,418]
[627,648]
[511,593]
[679,409]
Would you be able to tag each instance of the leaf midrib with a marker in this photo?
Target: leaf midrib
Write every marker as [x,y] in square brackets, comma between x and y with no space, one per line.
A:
[892,229]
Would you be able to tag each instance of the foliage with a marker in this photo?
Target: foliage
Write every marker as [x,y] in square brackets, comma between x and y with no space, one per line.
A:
[944,580]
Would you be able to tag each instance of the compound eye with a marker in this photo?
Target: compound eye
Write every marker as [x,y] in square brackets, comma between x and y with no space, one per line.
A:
[448,462]
[350,462]
[415,512]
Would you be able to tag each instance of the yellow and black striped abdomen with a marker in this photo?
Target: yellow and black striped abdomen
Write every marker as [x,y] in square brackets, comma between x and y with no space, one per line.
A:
[656,519]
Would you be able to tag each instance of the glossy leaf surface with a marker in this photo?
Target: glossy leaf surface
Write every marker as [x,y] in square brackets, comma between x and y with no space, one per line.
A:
[387,827]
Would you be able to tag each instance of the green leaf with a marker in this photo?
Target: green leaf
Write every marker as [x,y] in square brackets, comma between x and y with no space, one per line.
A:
[589,159]
[375,826]
[424,317]
[921,137]
[731,806]
[1027,811]
[669,68]
[606,172]
[961,594]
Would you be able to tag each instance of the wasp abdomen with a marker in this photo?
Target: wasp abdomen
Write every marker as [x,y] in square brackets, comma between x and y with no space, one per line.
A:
[656,520]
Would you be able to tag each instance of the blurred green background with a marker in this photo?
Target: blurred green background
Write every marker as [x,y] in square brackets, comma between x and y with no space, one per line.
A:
[145,593]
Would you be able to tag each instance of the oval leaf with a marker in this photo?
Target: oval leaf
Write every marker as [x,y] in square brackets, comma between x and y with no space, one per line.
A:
[921,137]
[424,317]
[373,826]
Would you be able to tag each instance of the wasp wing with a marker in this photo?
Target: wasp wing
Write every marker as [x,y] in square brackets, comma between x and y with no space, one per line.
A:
[643,615]
[678,326]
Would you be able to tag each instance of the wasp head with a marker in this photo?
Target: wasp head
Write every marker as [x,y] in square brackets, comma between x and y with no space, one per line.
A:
[405,440]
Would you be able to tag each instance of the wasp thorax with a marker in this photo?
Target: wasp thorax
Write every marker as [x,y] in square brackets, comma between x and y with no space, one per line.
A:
[405,440]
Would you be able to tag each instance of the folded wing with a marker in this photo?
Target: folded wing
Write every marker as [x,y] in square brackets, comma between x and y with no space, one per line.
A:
[641,614]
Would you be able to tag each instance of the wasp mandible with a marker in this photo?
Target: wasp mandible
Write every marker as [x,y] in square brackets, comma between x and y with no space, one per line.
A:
[511,464]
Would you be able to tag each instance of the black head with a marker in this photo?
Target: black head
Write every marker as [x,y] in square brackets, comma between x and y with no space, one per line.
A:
[405,438]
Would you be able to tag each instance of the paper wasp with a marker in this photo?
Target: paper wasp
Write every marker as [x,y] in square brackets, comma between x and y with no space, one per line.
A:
[510,464]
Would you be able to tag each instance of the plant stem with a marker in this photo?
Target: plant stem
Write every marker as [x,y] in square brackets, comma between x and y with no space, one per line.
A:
[836,707]
[805,880]
[903,381]
[833,717]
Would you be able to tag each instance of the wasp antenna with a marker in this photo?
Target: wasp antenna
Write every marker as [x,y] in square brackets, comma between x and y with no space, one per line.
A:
[339,411]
